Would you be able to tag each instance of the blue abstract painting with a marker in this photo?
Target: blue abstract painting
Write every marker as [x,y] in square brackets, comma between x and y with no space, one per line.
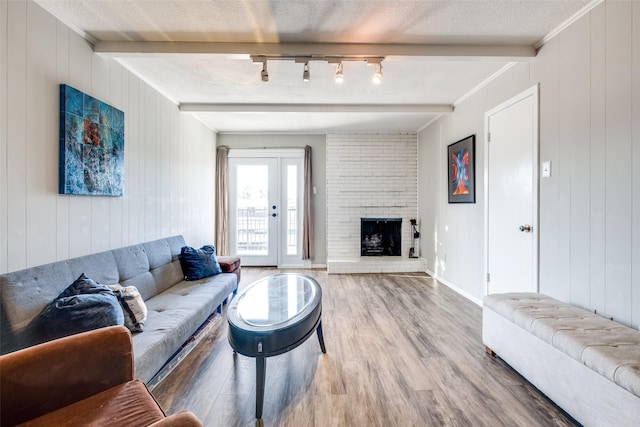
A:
[91,145]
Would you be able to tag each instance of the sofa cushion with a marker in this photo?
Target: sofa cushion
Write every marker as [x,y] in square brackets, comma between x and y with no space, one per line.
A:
[82,306]
[173,316]
[199,263]
[133,307]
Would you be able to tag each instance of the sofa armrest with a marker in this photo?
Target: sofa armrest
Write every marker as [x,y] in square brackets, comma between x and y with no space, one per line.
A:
[230,264]
[181,419]
[40,379]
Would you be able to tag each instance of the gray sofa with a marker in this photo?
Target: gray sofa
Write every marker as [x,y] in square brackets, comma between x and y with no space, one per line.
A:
[176,308]
[587,364]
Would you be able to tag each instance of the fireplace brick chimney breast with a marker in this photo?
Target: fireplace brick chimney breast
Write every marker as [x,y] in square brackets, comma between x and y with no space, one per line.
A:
[369,176]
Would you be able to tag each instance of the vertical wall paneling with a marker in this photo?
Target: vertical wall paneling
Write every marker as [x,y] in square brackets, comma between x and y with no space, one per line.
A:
[173,175]
[618,159]
[549,125]
[115,203]
[133,164]
[17,135]
[143,160]
[41,141]
[4,178]
[124,97]
[589,226]
[460,264]
[579,146]
[79,206]
[38,225]
[100,205]
[62,201]
[635,226]
[566,136]
[429,160]
[151,158]
[598,178]
[161,178]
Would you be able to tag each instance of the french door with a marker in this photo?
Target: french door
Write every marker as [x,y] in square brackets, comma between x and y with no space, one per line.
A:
[265,207]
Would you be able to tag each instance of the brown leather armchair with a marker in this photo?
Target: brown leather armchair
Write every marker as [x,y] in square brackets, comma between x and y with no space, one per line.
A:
[83,379]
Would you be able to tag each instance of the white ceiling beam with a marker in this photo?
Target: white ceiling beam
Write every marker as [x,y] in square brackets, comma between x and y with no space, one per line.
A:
[315,108]
[503,52]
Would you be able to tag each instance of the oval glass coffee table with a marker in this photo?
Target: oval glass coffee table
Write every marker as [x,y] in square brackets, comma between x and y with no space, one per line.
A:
[272,316]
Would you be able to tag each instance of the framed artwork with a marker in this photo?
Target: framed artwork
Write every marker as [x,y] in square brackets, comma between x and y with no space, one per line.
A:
[91,145]
[462,173]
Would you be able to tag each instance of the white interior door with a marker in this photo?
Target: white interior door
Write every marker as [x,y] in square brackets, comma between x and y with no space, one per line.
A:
[265,207]
[512,195]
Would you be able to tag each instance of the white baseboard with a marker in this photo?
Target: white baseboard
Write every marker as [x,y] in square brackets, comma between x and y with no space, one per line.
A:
[453,287]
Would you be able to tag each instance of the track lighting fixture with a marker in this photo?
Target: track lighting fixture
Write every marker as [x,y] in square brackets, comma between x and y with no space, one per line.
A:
[338,60]
[377,76]
[339,74]
[305,74]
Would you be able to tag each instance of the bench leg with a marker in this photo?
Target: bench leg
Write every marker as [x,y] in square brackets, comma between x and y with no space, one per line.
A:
[489,351]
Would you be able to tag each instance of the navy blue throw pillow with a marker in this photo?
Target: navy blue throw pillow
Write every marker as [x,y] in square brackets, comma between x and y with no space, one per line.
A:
[199,263]
[83,306]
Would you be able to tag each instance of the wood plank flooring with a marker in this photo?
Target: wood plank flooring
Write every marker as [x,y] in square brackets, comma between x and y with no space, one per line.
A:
[402,350]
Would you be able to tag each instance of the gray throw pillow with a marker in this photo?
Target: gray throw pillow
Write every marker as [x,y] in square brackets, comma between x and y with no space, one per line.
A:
[83,306]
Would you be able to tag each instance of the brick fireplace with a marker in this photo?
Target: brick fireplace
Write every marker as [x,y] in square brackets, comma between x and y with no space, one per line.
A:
[370,176]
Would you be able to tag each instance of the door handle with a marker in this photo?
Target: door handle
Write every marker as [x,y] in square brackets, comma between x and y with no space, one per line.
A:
[525,228]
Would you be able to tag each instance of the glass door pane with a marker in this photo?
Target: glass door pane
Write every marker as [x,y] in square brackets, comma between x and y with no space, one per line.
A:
[252,210]
[292,210]
[291,170]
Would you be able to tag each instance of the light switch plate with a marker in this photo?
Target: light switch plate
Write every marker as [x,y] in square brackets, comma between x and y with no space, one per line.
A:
[546,169]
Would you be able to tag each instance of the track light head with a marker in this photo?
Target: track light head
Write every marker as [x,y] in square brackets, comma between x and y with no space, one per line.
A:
[339,74]
[264,73]
[306,76]
[377,76]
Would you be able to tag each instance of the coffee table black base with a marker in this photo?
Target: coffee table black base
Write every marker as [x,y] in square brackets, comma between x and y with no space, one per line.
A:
[261,339]
[261,370]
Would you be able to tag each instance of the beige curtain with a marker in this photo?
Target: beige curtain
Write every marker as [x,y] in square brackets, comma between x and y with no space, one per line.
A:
[222,197]
[307,222]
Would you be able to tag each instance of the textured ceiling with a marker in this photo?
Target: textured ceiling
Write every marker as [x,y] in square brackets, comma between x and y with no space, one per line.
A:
[234,79]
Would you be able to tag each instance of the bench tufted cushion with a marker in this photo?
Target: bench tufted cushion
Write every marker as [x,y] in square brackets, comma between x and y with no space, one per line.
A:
[606,347]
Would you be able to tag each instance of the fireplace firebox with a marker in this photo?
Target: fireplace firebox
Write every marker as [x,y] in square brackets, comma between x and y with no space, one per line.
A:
[380,236]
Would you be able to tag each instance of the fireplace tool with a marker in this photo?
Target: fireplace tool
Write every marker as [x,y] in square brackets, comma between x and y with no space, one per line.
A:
[415,234]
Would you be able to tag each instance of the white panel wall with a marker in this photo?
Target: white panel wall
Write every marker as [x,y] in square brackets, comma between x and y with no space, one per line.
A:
[368,176]
[589,79]
[169,156]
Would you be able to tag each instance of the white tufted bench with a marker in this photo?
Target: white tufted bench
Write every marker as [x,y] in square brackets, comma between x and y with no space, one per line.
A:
[587,364]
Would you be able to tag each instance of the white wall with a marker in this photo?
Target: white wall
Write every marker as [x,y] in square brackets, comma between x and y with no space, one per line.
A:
[318,166]
[169,156]
[589,79]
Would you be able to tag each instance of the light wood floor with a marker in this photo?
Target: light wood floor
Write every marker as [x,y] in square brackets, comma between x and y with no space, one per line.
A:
[402,350]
